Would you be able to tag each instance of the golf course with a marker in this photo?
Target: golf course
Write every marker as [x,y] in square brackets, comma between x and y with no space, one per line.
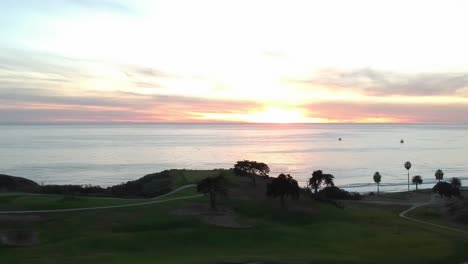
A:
[248,227]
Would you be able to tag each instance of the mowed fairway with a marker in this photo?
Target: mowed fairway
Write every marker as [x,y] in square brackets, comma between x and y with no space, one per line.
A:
[152,234]
[17,202]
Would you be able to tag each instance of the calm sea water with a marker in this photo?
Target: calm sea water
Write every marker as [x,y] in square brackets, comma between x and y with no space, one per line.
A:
[110,154]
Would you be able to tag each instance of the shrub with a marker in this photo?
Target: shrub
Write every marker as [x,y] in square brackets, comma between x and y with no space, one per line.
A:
[446,189]
[333,192]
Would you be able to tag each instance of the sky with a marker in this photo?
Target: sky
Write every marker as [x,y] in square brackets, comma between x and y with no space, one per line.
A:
[234,61]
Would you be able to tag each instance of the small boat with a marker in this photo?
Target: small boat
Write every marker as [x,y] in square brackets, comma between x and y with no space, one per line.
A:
[339,139]
[402,141]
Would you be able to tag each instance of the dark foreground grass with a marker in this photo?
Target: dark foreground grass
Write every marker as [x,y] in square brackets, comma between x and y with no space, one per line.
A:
[151,234]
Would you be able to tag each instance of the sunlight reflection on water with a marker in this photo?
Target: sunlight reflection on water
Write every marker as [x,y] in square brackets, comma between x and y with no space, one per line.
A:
[110,154]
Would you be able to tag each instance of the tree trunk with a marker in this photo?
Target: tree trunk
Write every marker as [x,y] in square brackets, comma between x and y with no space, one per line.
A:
[416,186]
[408,180]
[378,191]
[315,189]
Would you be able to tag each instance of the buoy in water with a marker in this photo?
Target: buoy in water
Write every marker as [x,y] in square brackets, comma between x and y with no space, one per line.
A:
[402,141]
[339,139]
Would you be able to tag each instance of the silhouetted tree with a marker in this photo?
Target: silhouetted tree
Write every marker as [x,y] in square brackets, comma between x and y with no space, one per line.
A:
[213,186]
[328,180]
[408,167]
[283,186]
[251,169]
[446,189]
[417,180]
[377,178]
[439,175]
[456,182]
[318,178]
[333,192]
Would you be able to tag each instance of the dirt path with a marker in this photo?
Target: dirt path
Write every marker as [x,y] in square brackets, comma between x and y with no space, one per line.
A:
[111,206]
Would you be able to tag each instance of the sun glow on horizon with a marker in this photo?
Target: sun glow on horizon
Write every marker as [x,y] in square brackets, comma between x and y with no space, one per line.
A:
[196,61]
[270,114]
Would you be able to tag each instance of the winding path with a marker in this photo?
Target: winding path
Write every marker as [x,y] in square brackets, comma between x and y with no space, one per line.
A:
[152,201]
[403,215]
[413,206]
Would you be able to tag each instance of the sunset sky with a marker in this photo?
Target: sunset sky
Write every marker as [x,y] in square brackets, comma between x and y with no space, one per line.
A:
[233,61]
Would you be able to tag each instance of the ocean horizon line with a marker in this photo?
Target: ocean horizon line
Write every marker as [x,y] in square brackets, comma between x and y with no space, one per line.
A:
[222,123]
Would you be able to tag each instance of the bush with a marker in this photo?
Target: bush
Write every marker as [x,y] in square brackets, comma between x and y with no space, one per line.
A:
[150,185]
[334,192]
[446,189]
[157,187]
[73,189]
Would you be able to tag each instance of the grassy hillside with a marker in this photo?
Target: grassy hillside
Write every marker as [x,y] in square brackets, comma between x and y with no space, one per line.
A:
[451,213]
[10,183]
[148,186]
[306,232]
[183,177]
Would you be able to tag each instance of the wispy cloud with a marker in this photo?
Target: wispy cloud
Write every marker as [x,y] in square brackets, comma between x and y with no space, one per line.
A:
[378,83]
[356,112]
[40,105]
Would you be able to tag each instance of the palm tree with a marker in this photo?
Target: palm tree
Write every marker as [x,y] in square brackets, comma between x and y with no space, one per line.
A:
[417,180]
[408,167]
[439,175]
[377,178]
[456,182]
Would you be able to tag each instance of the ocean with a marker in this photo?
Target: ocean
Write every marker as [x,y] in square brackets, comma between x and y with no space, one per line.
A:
[107,154]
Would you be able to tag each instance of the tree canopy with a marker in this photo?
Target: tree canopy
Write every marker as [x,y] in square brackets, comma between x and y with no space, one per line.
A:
[456,182]
[417,180]
[213,186]
[446,189]
[377,178]
[319,178]
[251,169]
[439,175]
[408,165]
[283,186]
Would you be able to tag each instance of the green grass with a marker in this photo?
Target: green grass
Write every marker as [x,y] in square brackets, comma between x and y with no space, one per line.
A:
[45,202]
[184,177]
[436,215]
[151,234]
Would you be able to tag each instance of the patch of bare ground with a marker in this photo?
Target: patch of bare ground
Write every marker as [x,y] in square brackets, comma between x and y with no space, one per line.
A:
[224,217]
[21,237]
[16,230]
